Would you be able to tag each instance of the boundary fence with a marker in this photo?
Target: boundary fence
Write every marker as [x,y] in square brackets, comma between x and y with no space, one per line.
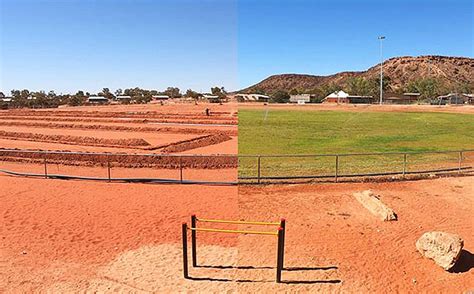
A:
[251,168]
[109,161]
[335,167]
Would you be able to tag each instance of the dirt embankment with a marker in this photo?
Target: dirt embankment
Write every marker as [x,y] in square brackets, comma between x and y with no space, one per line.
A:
[183,120]
[75,140]
[122,160]
[117,128]
[125,114]
[192,143]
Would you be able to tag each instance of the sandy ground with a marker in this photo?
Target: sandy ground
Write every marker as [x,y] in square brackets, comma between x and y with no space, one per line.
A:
[363,107]
[73,236]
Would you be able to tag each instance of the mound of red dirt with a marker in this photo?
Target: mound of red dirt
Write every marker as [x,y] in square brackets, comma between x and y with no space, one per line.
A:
[183,120]
[192,143]
[74,140]
[122,160]
[116,128]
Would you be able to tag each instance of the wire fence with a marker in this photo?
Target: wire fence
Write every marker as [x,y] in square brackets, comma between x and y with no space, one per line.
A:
[337,167]
[222,169]
[112,167]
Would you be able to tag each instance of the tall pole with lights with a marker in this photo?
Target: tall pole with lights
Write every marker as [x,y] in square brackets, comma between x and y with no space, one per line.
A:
[381,38]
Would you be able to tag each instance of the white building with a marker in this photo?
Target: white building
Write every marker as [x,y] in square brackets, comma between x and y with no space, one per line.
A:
[300,98]
[160,97]
[97,100]
[123,98]
[252,98]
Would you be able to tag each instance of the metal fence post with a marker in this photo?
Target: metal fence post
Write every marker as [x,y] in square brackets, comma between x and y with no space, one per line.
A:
[45,168]
[283,226]
[258,169]
[337,167]
[460,161]
[404,164]
[184,230]
[181,169]
[108,167]
[279,255]
[193,240]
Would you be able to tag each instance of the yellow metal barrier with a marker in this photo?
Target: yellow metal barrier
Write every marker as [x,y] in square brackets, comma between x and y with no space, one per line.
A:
[234,231]
[280,234]
[238,222]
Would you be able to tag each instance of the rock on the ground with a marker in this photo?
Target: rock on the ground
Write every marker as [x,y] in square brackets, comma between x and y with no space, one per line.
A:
[372,202]
[443,248]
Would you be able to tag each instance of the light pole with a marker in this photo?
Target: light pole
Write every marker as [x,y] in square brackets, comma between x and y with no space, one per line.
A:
[381,38]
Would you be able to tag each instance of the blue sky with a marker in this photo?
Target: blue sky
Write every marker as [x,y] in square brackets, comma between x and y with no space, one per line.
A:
[66,45]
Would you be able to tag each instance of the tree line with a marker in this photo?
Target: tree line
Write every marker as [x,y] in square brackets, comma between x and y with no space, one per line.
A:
[41,99]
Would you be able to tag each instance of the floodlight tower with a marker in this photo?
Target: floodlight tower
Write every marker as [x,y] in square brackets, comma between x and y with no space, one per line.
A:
[381,38]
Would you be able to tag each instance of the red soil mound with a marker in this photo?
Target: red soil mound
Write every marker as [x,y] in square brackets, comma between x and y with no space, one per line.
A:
[192,143]
[74,140]
[123,160]
[183,120]
[116,128]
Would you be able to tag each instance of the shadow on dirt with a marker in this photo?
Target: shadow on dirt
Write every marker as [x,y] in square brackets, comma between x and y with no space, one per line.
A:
[465,262]
[266,281]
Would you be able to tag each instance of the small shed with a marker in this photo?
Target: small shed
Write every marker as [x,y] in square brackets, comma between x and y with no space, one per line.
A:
[300,98]
[123,98]
[451,98]
[469,98]
[212,98]
[252,98]
[97,100]
[160,97]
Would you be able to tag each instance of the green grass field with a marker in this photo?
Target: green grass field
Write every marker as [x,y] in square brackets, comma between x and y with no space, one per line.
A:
[330,132]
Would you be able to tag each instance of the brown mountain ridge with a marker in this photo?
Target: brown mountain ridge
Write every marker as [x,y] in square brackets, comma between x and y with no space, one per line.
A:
[452,71]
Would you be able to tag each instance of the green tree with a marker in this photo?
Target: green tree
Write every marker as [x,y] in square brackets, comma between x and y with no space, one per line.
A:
[173,92]
[192,94]
[280,97]
[428,88]
[358,86]
[294,91]
[219,91]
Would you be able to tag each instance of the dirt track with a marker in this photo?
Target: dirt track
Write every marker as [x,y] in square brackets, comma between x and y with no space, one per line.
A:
[61,236]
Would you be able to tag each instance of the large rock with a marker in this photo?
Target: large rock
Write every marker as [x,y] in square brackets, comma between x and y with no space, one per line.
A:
[372,202]
[443,248]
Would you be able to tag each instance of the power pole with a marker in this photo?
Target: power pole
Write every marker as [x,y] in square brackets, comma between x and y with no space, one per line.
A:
[381,38]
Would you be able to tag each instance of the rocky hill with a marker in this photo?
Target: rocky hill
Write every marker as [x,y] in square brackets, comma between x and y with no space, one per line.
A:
[401,70]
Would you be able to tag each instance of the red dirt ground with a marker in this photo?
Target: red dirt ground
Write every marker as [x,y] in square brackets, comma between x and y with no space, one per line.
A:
[189,121]
[79,236]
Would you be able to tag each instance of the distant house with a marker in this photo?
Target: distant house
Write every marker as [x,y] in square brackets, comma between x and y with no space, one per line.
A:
[6,99]
[405,98]
[212,98]
[97,100]
[337,97]
[123,98]
[470,98]
[452,98]
[301,98]
[160,97]
[252,98]
[343,97]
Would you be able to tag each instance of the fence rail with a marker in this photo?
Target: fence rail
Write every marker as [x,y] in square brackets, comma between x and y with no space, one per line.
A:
[251,168]
[153,168]
[333,167]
